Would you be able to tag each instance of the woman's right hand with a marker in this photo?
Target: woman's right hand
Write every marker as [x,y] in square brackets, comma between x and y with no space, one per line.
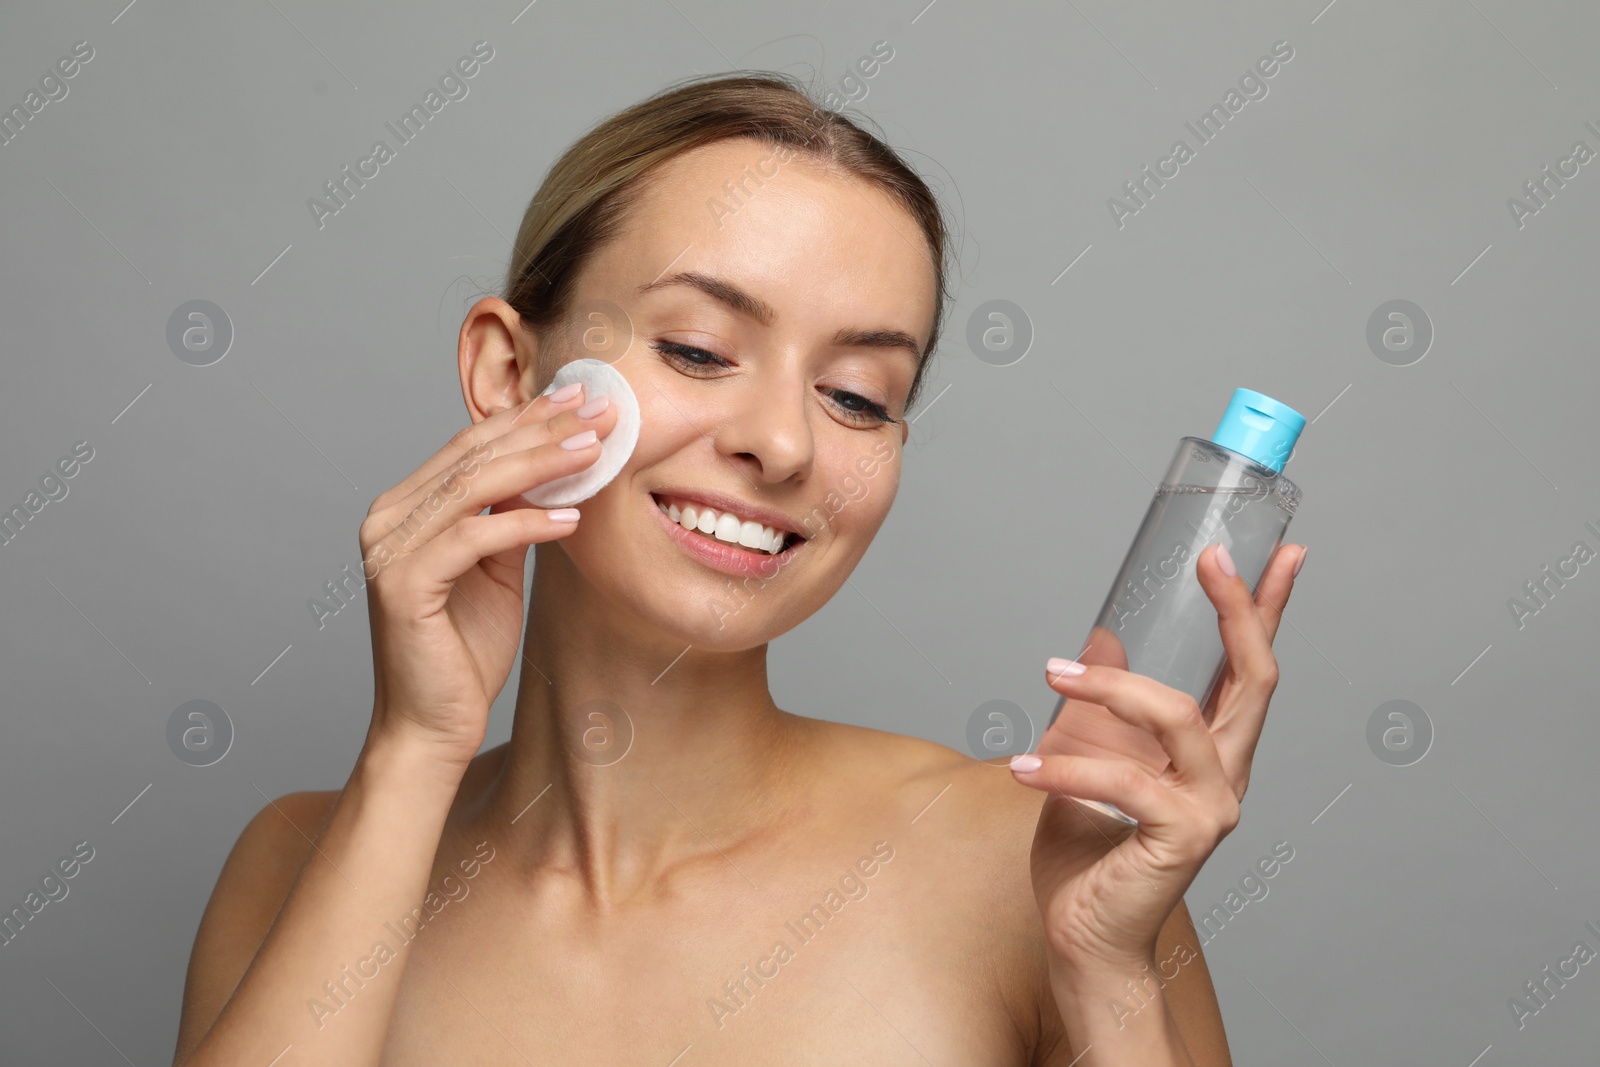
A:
[445,583]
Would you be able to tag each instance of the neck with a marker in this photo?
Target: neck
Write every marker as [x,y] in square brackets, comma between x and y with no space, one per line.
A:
[630,753]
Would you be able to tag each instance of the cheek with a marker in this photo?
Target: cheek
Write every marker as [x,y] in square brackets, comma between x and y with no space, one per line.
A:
[666,423]
[861,491]
[880,497]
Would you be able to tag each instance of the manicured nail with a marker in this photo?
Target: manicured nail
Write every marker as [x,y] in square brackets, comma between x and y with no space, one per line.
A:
[567,392]
[1056,667]
[580,440]
[563,515]
[1026,763]
[1303,553]
[593,407]
[1225,561]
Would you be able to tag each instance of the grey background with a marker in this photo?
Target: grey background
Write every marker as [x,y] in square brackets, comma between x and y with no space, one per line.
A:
[1378,167]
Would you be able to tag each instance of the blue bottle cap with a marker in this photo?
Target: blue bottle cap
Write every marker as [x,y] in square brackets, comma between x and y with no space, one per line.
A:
[1260,427]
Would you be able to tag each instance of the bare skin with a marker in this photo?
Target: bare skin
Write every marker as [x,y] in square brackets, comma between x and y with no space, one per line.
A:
[605,906]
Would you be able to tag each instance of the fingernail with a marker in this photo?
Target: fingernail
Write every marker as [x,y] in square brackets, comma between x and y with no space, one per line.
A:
[567,392]
[1056,667]
[563,515]
[593,407]
[1225,561]
[580,440]
[1303,553]
[1026,763]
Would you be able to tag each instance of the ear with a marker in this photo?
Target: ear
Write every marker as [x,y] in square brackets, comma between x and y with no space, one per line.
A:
[496,357]
[905,431]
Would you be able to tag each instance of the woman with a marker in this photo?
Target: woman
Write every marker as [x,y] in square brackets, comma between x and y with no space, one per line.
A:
[662,866]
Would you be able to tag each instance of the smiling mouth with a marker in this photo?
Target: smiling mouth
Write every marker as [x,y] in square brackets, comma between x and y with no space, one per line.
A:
[725,527]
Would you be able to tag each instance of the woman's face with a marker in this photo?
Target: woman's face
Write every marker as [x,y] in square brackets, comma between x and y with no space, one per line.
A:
[775,309]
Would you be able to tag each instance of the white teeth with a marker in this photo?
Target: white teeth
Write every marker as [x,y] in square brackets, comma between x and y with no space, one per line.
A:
[725,526]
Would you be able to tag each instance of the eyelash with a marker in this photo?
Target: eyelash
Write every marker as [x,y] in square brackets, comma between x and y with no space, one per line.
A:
[679,354]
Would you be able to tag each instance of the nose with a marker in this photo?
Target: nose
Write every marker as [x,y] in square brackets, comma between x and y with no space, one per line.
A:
[765,427]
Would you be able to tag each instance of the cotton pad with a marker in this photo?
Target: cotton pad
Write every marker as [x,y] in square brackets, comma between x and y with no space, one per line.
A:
[599,378]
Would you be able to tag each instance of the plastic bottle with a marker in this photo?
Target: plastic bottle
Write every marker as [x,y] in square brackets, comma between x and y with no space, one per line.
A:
[1157,620]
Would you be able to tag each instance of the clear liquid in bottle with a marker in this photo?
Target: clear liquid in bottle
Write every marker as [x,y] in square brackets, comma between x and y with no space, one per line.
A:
[1156,619]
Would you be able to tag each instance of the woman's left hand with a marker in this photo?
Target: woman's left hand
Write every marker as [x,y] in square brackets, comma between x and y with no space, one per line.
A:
[1104,889]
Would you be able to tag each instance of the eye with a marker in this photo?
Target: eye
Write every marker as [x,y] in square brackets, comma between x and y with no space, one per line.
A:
[859,407]
[855,407]
[688,355]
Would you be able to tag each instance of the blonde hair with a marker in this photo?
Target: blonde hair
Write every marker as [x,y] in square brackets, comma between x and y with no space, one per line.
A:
[585,197]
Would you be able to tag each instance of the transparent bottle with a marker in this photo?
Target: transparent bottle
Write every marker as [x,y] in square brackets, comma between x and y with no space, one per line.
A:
[1157,620]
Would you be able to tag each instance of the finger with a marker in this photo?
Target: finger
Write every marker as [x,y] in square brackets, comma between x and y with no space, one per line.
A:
[1242,697]
[1170,716]
[467,492]
[1252,669]
[518,441]
[479,537]
[1124,783]
[539,409]
[1104,647]
[1272,595]
[523,438]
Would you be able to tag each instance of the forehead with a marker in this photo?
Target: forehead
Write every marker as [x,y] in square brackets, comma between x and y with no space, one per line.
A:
[785,227]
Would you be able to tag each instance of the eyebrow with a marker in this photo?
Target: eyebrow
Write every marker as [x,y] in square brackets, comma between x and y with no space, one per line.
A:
[755,308]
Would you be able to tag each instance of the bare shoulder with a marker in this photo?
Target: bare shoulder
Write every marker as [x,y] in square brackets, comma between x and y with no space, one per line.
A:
[255,880]
[971,804]
[968,828]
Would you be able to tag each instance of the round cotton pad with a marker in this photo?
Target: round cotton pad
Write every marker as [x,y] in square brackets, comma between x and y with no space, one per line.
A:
[599,378]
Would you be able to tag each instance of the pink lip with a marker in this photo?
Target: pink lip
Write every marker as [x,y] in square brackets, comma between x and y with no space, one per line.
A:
[723,502]
[736,560]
